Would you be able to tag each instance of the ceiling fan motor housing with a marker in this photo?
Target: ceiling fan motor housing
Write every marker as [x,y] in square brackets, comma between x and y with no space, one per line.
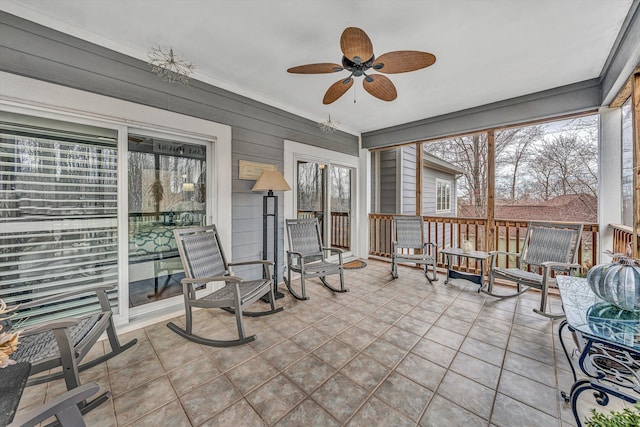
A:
[357,68]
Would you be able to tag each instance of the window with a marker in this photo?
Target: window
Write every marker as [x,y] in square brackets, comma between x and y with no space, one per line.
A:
[443,196]
[58,213]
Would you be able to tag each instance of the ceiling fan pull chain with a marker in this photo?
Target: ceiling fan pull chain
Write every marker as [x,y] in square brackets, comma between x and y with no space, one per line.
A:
[354,93]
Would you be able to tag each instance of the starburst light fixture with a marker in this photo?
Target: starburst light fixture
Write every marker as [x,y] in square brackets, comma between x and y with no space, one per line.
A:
[168,66]
[329,126]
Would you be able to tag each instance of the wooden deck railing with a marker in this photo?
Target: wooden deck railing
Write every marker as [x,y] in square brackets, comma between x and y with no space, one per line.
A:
[622,238]
[449,231]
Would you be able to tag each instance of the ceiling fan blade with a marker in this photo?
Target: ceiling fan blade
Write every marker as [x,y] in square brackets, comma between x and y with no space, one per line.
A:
[356,45]
[402,61]
[336,90]
[321,68]
[380,86]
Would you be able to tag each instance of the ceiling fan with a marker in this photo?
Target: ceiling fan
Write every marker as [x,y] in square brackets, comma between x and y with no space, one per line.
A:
[358,59]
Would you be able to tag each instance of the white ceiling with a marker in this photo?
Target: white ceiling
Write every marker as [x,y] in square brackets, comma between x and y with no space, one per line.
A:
[486,50]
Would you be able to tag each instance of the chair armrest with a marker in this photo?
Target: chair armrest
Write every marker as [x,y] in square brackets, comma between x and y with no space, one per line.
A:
[40,301]
[299,255]
[49,326]
[433,245]
[66,402]
[200,280]
[564,265]
[333,250]
[257,261]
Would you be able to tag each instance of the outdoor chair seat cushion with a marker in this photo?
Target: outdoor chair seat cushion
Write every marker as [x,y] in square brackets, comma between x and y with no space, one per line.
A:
[417,258]
[43,345]
[317,267]
[527,277]
[248,290]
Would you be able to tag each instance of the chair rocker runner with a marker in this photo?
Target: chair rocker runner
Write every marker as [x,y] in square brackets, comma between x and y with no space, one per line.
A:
[204,261]
[548,247]
[65,342]
[308,257]
[409,235]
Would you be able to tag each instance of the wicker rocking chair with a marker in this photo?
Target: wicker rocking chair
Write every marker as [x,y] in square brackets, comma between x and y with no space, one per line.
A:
[64,343]
[204,262]
[548,247]
[409,246]
[308,257]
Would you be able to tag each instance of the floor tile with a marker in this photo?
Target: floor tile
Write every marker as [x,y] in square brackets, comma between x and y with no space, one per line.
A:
[406,396]
[384,352]
[365,371]
[444,413]
[530,368]
[476,369]
[532,393]
[251,374]
[207,400]
[170,414]
[445,337]
[141,400]
[238,414]
[339,395]
[335,353]
[275,398]
[508,412]
[468,394]
[309,373]
[308,414]
[435,352]
[483,351]
[377,413]
[420,370]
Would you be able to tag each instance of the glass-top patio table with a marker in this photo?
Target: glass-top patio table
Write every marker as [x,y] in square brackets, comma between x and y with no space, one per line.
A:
[608,339]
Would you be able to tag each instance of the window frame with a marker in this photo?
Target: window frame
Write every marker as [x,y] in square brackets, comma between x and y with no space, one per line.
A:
[448,183]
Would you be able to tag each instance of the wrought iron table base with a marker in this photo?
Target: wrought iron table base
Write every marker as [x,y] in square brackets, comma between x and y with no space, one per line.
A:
[610,369]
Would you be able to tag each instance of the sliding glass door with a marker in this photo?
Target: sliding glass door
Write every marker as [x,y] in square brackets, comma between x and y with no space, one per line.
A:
[167,189]
[324,191]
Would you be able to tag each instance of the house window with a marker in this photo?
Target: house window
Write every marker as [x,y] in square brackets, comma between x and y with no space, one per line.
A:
[58,213]
[443,196]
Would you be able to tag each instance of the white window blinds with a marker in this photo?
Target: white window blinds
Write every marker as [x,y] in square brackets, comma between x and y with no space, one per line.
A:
[58,214]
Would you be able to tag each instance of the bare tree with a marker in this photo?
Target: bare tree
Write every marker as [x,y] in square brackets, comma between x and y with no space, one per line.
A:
[512,150]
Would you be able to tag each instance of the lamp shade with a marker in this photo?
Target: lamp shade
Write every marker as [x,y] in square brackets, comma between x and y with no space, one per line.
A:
[271,181]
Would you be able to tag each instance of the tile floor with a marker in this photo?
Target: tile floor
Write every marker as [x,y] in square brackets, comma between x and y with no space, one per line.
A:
[388,353]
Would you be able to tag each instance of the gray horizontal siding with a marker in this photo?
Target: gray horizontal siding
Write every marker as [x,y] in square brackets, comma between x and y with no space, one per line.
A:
[388,186]
[409,180]
[258,130]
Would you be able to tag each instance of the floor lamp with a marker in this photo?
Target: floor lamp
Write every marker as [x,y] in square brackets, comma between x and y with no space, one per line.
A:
[271,181]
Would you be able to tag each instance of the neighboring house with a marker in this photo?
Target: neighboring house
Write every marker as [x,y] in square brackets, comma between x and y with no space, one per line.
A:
[570,207]
[394,190]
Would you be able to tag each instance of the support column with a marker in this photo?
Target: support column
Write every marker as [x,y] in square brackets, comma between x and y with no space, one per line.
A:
[635,101]
[419,154]
[490,231]
[609,183]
